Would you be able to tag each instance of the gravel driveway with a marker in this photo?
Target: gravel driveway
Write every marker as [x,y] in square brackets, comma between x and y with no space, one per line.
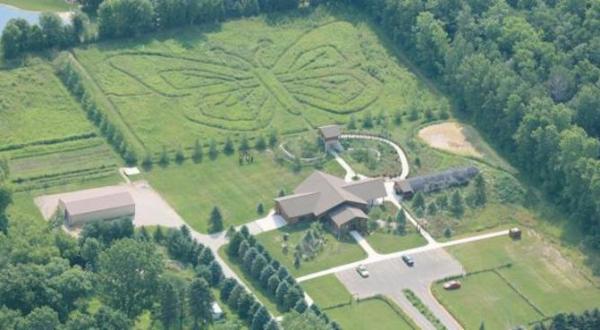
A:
[150,208]
[390,277]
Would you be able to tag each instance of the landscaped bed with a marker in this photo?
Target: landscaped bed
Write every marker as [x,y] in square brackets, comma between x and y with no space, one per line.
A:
[371,157]
[539,283]
[334,251]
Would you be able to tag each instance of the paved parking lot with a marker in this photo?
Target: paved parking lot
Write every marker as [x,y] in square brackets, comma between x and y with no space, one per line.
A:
[390,277]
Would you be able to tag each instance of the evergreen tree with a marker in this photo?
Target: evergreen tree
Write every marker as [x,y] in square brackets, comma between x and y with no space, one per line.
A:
[179,155]
[265,275]
[456,204]
[272,138]
[479,195]
[401,222]
[291,298]
[281,292]
[170,305]
[234,296]
[228,146]
[226,287]
[419,201]
[260,319]
[216,272]
[398,118]
[197,154]
[244,247]
[212,150]
[258,265]
[260,143]
[244,145]
[367,120]
[432,208]
[273,283]
[216,220]
[163,160]
[200,300]
[234,244]
[260,209]
[159,236]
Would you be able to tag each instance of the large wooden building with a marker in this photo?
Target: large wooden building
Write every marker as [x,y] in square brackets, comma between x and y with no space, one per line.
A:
[321,195]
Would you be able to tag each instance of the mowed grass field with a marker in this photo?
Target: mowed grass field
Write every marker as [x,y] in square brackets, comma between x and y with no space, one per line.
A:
[194,189]
[384,242]
[44,134]
[39,5]
[288,72]
[540,283]
[376,313]
[335,252]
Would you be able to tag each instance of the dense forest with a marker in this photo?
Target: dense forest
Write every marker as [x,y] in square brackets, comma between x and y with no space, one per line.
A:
[527,73]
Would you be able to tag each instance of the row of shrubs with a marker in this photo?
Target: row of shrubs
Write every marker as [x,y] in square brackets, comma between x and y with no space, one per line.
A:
[196,153]
[73,81]
[271,275]
[15,146]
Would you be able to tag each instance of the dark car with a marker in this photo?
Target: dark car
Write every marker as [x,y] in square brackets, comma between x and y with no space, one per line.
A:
[408,261]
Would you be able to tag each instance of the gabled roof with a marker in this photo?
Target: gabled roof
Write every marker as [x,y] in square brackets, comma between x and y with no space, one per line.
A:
[345,214]
[91,204]
[330,131]
[299,204]
[367,189]
[321,192]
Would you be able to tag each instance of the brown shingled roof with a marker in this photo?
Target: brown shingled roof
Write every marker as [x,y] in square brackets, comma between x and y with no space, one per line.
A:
[321,192]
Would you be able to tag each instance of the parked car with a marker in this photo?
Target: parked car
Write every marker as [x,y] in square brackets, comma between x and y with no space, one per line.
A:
[408,261]
[452,285]
[362,271]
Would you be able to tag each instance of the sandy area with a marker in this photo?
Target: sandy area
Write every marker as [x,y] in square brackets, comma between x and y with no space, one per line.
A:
[450,137]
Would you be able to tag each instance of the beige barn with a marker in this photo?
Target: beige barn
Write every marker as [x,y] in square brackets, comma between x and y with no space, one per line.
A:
[81,210]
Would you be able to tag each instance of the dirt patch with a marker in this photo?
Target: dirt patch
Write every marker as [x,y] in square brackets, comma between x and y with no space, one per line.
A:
[450,137]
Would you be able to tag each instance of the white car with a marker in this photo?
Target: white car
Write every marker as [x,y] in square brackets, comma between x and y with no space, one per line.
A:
[362,270]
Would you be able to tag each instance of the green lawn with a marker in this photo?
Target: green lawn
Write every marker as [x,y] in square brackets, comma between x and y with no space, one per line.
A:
[39,5]
[539,271]
[247,76]
[369,314]
[327,291]
[485,297]
[194,189]
[384,242]
[45,134]
[336,252]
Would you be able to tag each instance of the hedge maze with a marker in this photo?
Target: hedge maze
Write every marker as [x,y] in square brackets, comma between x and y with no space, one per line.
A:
[246,78]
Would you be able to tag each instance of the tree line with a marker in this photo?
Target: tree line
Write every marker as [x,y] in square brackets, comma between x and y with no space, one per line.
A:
[125,18]
[526,73]
[589,319]
[272,276]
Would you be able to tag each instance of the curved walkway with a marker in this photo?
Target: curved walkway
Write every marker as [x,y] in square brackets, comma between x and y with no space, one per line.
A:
[401,155]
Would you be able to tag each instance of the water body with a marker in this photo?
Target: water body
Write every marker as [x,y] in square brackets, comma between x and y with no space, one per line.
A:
[9,12]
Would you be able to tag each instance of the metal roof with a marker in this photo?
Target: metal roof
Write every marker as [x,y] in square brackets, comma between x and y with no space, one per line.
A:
[91,204]
[448,178]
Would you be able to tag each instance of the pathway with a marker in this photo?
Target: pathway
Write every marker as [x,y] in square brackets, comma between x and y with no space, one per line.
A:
[364,244]
[384,257]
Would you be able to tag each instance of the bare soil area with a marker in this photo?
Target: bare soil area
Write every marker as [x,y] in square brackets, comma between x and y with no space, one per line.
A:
[451,137]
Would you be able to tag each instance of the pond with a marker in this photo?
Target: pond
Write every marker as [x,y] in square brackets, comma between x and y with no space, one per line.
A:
[9,12]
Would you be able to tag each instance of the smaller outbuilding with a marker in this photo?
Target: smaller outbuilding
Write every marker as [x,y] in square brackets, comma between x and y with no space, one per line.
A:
[436,181]
[330,135]
[107,206]
[216,311]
